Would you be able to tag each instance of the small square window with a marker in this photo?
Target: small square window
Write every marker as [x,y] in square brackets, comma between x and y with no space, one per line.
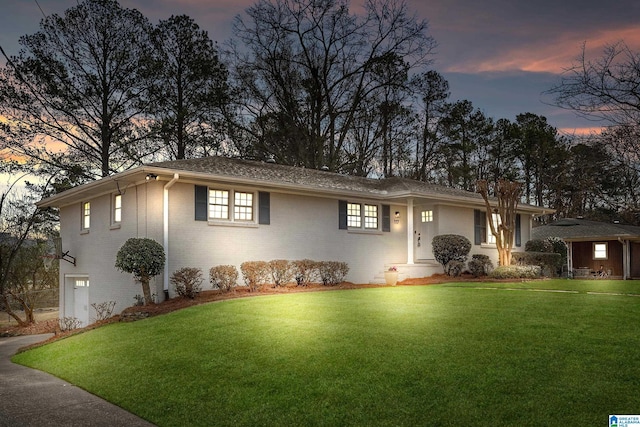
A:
[426,216]
[600,250]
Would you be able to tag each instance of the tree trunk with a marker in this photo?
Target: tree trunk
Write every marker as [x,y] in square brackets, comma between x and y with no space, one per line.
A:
[146,290]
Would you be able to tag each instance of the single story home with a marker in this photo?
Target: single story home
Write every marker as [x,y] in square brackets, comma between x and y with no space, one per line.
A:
[593,245]
[218,211]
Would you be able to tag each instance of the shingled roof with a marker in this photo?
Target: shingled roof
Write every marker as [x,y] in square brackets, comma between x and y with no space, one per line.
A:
[581,229]
[271,173]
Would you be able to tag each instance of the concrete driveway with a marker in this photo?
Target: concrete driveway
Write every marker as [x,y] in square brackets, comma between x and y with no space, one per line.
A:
[33,398]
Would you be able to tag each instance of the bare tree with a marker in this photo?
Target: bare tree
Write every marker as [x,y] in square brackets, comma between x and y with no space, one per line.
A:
[21,266]
[305,68]
[607,88]
[508,195]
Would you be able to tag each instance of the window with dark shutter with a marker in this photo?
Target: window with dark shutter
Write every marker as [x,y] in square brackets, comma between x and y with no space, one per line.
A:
[480,227]
[201,194]
[386,218]
[342,214]
[264,208]
[518,231]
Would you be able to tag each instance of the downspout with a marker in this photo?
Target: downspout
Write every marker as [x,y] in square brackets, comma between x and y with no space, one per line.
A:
[165,231]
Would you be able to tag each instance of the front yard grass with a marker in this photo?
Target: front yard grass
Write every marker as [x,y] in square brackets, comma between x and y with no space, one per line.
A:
[440,355]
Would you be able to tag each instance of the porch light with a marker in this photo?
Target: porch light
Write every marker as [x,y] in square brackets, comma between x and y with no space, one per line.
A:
[151,177]
[396,217]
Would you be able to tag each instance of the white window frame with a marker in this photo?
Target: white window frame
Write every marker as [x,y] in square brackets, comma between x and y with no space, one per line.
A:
[116,209]
[231,206]
[601,250]
[363,216]
[495,217]
[85,216]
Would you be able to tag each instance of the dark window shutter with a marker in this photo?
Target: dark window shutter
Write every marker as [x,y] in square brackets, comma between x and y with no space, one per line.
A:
[386,218]
[264,208]
[518,231]
[480,226]
[201,203]
[342,214]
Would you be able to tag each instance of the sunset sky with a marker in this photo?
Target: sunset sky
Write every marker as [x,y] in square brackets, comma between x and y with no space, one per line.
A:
[499,54]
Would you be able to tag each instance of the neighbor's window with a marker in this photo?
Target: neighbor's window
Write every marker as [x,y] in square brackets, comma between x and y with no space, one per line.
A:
[371,216]
[219,204]
[354,218]
[426,216]
[86,215]
[117,208]
[243,206]
[600,250]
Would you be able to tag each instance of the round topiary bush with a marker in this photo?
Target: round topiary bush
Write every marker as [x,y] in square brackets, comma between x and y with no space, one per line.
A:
[538,245]
[144,258]
[450,247]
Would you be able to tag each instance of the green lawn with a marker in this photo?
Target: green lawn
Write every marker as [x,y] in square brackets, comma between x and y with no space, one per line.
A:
[443,355]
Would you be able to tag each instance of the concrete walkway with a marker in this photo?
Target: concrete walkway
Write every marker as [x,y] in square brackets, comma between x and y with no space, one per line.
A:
[33,398]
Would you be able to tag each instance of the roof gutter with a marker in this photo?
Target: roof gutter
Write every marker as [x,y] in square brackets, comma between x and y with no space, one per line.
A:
[165,230]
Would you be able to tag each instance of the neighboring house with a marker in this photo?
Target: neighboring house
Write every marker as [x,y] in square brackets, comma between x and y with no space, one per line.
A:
[213,211]
[593,245]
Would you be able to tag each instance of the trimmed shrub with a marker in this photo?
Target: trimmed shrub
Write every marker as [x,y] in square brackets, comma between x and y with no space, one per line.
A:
[450,247]
[538,245]
[332,272]
[454,268]
[480,265]
[144,258]
[281,271]
[223,277]
[547,261]
[516,272]
[305,271]
[254,273]
[187,282]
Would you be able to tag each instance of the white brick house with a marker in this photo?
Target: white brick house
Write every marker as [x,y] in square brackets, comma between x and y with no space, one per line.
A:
[214,211]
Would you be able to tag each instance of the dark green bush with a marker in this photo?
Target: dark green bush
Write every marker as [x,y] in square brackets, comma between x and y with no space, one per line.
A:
[480,265]
[454,268]
[538,245]
[516,272]
[450,247]
[547,261]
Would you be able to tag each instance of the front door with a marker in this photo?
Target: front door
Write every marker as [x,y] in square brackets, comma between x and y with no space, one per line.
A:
[424,233]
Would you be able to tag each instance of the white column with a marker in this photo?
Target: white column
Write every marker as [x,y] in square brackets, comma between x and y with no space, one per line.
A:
[410,231]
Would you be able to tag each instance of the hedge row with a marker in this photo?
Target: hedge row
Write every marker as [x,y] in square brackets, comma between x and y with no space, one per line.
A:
[187,281]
